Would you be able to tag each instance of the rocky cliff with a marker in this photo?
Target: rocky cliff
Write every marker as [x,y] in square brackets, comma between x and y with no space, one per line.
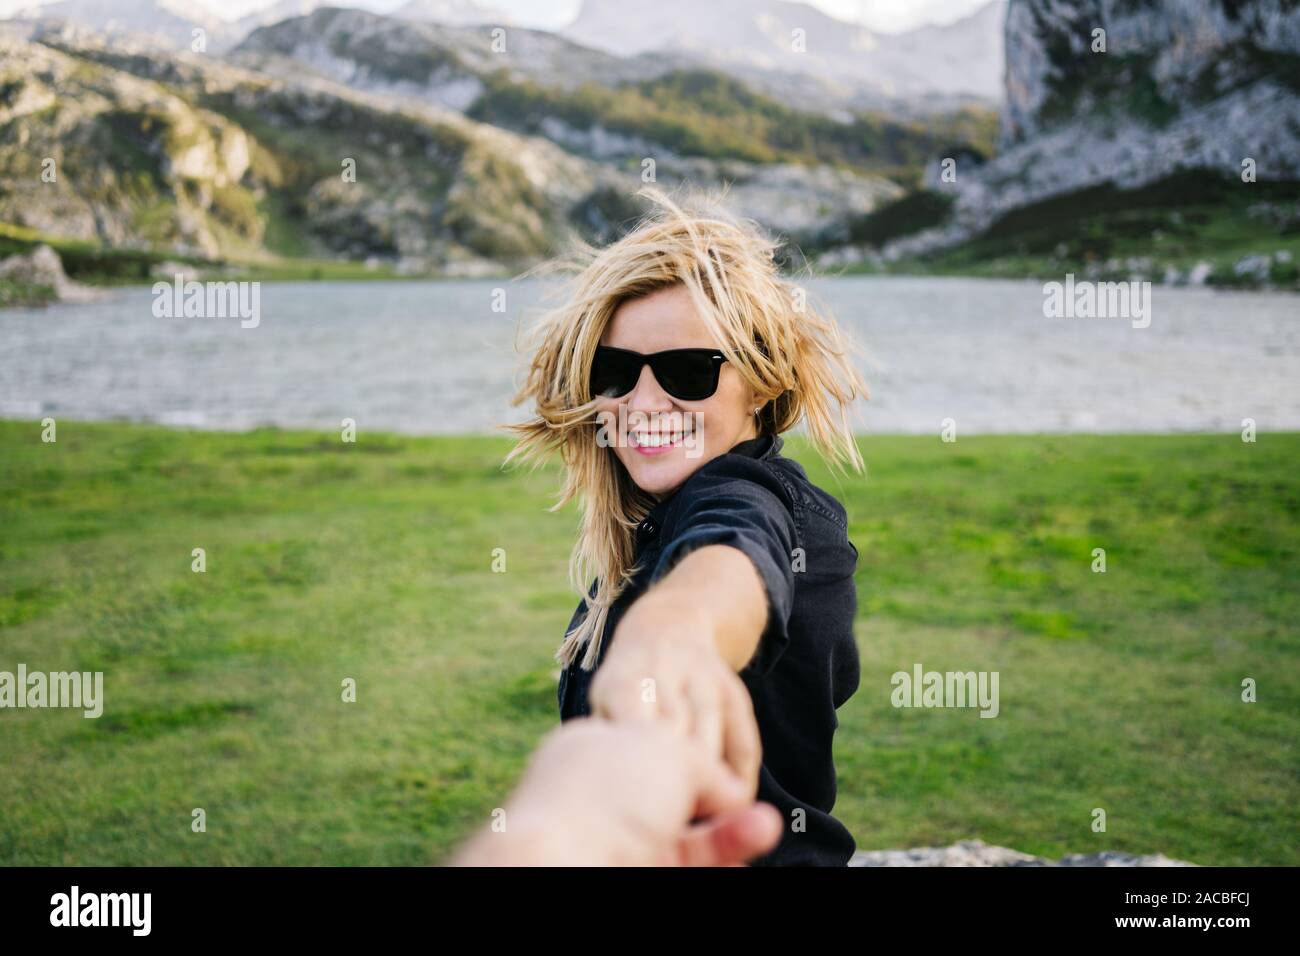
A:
[1178,86]
[1162,58]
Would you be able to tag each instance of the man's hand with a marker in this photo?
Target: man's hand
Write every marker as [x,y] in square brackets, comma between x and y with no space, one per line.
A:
[602,794]
[676,652]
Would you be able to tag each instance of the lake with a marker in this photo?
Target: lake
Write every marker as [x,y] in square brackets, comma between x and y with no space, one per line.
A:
[433,357]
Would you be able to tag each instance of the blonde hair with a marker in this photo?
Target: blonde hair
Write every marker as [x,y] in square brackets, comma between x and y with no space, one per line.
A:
[795,358]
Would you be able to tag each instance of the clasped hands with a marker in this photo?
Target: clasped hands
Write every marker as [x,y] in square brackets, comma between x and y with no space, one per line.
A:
[664,773]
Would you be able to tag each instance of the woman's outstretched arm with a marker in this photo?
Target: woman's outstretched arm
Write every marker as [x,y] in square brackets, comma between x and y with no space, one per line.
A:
[721,586]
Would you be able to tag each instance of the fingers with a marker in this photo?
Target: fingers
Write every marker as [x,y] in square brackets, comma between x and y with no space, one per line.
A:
[715,788]
[624,699]
[697,698]
[742,746]
[675,704]
[704,700]
[732,838]
[690,782]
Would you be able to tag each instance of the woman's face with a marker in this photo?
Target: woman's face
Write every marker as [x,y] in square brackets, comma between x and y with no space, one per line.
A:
[662,440]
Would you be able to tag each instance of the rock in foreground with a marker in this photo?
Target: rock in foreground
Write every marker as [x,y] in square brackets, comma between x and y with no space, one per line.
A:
[978,853]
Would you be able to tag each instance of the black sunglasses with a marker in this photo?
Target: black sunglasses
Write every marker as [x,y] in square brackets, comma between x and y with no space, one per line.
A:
[687,374]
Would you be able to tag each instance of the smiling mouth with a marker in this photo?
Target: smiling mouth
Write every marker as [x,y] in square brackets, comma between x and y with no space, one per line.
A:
[654,441]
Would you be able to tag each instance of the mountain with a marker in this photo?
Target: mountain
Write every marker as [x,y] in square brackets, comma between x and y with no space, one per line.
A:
[590,102]
[470,158]
[437,63]
[697,124]
[913,75]
[447,63]
[751,37]
[186,153]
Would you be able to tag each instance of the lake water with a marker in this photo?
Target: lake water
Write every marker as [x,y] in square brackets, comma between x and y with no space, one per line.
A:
[433,357]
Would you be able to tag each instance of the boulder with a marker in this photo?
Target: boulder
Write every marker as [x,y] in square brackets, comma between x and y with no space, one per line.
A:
[42,267]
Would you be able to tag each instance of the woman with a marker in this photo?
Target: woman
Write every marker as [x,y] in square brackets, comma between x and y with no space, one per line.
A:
[723,596]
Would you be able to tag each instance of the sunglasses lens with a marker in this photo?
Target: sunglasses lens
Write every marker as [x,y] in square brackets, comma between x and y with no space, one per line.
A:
[613,373]
[688,374]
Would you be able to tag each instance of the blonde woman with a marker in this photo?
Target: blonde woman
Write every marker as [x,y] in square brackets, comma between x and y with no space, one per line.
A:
[718,578]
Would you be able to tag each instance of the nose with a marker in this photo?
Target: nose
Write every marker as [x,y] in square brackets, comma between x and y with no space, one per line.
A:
[648,396]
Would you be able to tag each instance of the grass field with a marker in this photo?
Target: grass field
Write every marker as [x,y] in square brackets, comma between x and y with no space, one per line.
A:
[372,561]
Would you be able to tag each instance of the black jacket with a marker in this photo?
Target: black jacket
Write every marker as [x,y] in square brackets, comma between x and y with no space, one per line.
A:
[806,663]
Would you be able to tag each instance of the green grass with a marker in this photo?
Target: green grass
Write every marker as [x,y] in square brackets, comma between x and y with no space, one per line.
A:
[1189,217]
[373,561]
[21,294]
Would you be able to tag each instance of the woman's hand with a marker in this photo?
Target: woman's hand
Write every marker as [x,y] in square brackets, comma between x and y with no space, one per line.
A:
[664,666]
[601,794]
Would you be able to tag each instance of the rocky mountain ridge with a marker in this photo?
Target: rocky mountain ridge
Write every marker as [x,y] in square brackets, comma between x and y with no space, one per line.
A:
[933,67]
[220,156]
[751,37]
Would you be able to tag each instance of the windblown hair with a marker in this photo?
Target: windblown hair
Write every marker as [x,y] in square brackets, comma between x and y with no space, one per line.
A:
[795,358]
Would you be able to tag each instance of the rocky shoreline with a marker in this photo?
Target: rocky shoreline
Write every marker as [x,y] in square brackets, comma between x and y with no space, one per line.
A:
[978,853]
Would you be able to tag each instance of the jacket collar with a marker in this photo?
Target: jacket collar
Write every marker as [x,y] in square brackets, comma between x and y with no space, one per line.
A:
[764,446]
[761,448]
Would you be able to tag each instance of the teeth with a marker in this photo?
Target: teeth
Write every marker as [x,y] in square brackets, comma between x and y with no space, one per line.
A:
[655,441]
